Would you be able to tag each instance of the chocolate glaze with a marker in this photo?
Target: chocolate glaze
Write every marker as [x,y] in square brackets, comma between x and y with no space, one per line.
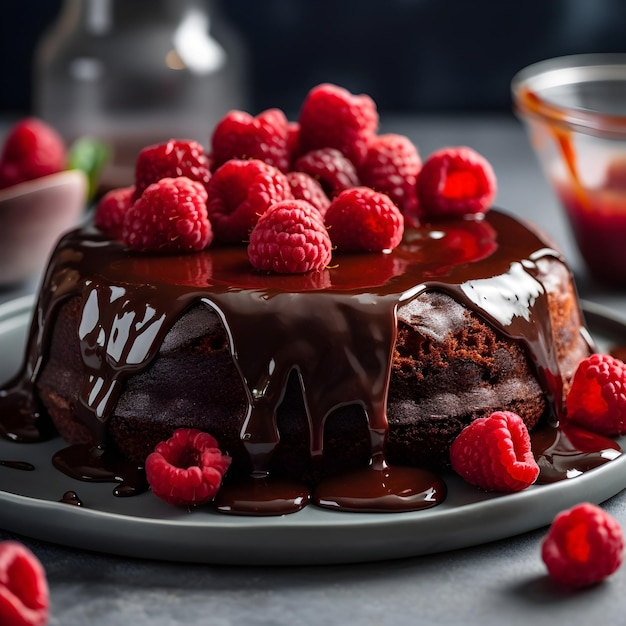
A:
[336,328]
[98,465]
[21,418]
[569,451]
[381,488]
[261,495]
[71,497]
[25,466]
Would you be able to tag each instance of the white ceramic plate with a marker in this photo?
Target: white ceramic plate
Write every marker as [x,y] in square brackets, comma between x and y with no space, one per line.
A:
[143,526]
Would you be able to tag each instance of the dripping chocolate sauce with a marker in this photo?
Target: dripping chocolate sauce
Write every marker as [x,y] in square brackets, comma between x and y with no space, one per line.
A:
[23,466]
[134,299]
[71,497]
[96,464]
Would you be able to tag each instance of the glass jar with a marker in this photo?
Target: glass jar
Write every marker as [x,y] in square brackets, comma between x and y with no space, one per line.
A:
[133,73]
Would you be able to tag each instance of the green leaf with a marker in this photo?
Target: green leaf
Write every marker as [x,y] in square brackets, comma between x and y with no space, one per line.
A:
[89,155]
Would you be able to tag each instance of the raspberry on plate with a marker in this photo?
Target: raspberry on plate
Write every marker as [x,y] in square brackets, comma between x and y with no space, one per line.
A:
[332,117]
[290,238]
[187,469]
[239,135]
[584,546]
[111,209]
[24,595]
[494,453]
[363,219]
[32,149]
[455,181]
[330,168]
[176,157]
[239,192]
[170,216]
[391,166]
[597,395]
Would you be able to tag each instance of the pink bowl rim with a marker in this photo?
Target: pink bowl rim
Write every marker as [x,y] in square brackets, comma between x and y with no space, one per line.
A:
[66,177]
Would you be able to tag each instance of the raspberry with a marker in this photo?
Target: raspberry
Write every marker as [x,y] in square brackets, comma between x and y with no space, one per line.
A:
[455,181]
[187,469]
[174,158]
[111,209]
[24,599]
[293,139]
[170,216]
[597,396]
[494,454]
[363,219]
[239,193]
[583,546]
[32,149]
[305,187]
[391,166]
[331,168]
[332,117]
[240,136]
[290,238]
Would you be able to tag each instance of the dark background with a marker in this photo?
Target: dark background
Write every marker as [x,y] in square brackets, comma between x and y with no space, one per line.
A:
[410,55]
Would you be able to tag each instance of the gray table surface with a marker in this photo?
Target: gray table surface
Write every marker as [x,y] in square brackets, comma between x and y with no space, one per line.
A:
[500,582]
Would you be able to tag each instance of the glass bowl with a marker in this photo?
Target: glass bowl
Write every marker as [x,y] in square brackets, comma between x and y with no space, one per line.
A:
[574,109]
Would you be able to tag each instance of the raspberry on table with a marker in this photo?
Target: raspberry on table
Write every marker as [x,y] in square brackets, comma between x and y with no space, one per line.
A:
[330,168]
[597,396]
[171,159]
[187,469]
[494,453]
[391,166]
[239,192]
[584,546]
[305,187]
[24,594]
[332,117]
[111,209]
[31,149]
[170,216]
[363,219]
[455,181]
[239,135]
[290,238]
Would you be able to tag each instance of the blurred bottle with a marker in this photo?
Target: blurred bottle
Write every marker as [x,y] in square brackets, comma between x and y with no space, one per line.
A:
[137,72]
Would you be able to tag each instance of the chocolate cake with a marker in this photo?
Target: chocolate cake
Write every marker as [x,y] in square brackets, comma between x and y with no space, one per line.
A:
[376,362]
[303,312]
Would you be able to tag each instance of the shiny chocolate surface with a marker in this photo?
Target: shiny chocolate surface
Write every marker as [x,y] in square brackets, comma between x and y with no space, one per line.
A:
[336,328]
